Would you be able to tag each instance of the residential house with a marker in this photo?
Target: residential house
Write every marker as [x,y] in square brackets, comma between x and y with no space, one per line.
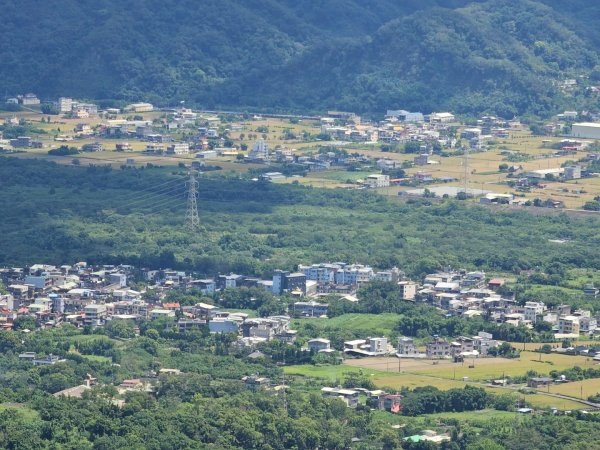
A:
[367,347]
[407,347]
[178,148]
[94,315]
[318,345]
[225,325]
[289,282]
[534,311]
[310,309]
[349,396]
[438,348]
[568,325]
[537,382]
[408,290]
[377,181]
[255,383]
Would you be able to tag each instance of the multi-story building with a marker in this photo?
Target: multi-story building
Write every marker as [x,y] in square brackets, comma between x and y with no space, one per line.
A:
[572,173]
[367,347]
[29,99]
[438,348]
[178,148]
[260,151]
[408,290]
[568,325]
[407,347]
[483,342]
[534,311]
[184,325]
[206,286]
[288,282]
[460,346]
[224,325]
[321,273]
[229,281]
[94,315]
[310,309]
[393,275]
[65,104]
[377,181]
[354,275]
[587,325]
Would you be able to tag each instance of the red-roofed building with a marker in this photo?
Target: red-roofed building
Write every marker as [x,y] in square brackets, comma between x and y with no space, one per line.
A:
[171,306]
[495,283]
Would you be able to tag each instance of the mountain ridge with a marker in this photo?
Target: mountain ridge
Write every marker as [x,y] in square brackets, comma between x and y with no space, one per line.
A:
[469,56]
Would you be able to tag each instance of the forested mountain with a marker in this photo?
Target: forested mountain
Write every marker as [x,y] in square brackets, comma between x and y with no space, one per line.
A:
[471,56]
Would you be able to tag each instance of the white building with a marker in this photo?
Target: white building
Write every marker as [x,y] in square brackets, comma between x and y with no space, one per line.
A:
[319,345]
[140,107]
[586,130]
[533,311]
[65,104]
[354,275]
[225,325]
[377,181]
[94,315]
[568,325]
[260,151]
[321,273]
[572,172]
[443,117]
[178,148]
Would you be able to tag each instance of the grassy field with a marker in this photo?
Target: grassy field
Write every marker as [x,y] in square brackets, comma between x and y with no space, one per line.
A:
[376,324]
[580,389]
[382,379]
[484,368]
[27,413]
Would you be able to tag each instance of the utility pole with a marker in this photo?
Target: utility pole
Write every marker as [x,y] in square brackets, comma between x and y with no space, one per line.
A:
[192,220]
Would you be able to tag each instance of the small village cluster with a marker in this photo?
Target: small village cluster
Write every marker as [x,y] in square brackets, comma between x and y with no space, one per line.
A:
[182,131]
[86,295]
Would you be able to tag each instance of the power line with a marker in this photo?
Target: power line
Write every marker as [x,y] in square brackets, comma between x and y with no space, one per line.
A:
[150,188]
[150,197]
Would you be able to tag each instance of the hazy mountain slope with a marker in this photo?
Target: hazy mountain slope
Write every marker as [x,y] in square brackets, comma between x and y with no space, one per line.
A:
[360,55]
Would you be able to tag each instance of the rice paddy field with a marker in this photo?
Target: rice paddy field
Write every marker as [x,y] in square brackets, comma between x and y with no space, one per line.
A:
[579,389]
[483,368]
[335,374]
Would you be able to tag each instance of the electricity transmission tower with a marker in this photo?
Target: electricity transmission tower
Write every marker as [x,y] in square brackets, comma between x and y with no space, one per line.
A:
[192,221]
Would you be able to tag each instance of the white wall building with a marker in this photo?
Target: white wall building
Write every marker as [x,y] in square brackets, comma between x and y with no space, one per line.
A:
[587,130]
[377,181]
[260,151]
[178,148]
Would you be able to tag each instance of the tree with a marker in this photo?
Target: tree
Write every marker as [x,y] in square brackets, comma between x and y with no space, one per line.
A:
[9,341]
[24,323]
[120,329]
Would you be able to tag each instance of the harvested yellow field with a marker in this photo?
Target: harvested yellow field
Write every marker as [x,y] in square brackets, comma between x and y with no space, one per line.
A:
[579,389]
[484,368]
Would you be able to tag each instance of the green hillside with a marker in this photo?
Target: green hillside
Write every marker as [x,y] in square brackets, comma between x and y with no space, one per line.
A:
[502,56]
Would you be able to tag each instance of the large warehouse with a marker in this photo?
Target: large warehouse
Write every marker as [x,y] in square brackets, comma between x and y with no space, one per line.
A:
[586,130]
